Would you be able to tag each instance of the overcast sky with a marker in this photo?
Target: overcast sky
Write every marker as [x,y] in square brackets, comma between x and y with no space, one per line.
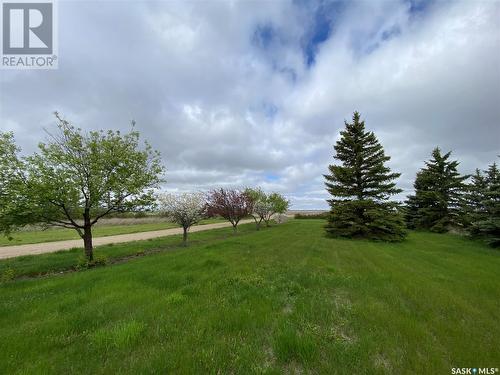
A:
[255,93]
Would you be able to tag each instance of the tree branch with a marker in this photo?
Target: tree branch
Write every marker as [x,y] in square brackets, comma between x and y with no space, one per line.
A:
[66,213]
[113,207]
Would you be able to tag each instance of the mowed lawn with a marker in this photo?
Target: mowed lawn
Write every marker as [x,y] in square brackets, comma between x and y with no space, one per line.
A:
[282,300]
[60,234]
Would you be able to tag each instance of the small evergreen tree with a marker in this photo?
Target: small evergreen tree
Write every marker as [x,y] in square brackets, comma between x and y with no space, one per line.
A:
[439,195]
[361,186]
[412,212]
[473,206]
[486,222]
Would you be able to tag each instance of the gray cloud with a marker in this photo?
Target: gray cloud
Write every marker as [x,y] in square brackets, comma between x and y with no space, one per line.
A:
[229,104]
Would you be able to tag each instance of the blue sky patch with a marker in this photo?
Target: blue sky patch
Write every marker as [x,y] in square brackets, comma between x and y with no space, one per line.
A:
[263,35]
[271,177]
[391,32]
[322,27]
[419,6]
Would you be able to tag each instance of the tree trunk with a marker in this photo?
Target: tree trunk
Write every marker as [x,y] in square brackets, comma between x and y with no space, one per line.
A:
[87,242]
[185,235]
[257,223]
[87,235]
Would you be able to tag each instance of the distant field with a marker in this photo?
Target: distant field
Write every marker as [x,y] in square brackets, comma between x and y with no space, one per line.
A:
[108,227]
[282,300]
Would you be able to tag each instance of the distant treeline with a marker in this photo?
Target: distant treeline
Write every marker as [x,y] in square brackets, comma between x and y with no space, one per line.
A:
[320,215]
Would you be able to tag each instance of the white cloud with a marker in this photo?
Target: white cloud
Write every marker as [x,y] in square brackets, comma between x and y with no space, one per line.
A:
[229,106]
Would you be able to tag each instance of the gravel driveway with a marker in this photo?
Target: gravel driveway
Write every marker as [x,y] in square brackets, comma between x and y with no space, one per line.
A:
[49,247]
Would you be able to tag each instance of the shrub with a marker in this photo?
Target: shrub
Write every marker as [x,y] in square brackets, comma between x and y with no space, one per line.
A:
[320,215]
[8,275]
[84,263]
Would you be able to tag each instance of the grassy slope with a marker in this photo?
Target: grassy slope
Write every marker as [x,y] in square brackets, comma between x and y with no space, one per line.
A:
[280,300]
[49,263]
[59,234]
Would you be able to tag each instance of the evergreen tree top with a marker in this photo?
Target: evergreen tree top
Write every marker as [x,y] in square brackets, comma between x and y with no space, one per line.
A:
[493,174]
[442,171]
[478,180]
[492,180]
[362,173]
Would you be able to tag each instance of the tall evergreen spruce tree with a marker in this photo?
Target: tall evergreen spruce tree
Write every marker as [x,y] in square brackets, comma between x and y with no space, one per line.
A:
[486,222]
[361,186]
[438,202]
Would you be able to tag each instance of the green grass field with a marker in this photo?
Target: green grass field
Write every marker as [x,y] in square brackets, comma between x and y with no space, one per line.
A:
[60,234]
[282,300]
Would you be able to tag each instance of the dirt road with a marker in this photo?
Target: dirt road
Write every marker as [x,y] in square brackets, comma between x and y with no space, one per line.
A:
[49,247]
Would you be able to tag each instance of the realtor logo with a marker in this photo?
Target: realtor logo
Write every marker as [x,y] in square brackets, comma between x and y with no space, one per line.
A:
[28,35]
[27,28]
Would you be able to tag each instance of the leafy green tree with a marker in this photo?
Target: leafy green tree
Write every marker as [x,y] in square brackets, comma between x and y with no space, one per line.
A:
[8,158]
[438,202]
[264,206]
[10,183]
[486,219]
[259,205]
[361,186]
[77,178]
[278,205]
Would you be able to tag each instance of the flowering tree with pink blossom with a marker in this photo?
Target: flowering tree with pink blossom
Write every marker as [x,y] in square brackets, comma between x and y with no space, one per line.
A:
[231,204]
